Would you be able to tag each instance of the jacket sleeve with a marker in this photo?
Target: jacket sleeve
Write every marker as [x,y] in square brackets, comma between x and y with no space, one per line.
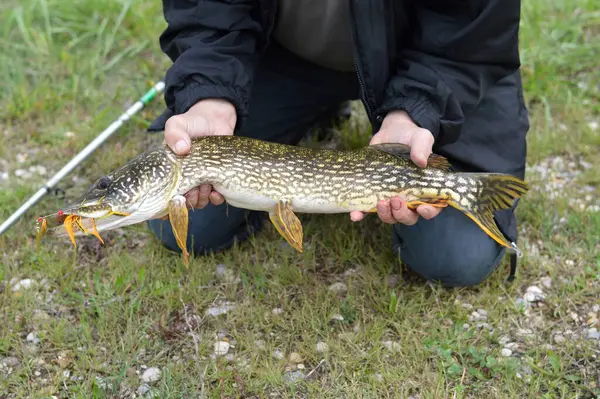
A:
[214,46]
[458,49]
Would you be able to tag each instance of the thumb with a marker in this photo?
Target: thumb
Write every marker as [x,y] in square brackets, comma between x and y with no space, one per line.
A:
[180,129]
[421,144]
[176,134]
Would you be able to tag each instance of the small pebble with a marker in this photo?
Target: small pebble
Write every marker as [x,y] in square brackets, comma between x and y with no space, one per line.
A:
[512,346]
[226,275]
[24,284]
[260,344]
[483,325]
[338,288]
[593,333]
[559,339]
[39,169]
[221,348]
[337,317]
[534,294]
[151,374]
[22,173]
[11,361]
[392,346]
[503,340]
[524,332]
[506,352]
[295,358]
[221,270]
[350,273]
[293,376]
[322,347]
[143,389]
[478,315]
[300,366]
[574,316]
[546,281]
[220,310]
[277,311]
[33,338]
[278,355]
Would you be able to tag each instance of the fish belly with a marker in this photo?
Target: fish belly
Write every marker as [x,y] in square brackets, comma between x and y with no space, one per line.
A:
[300,203]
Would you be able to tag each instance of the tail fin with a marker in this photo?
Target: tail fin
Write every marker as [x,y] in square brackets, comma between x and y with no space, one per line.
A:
[497,192]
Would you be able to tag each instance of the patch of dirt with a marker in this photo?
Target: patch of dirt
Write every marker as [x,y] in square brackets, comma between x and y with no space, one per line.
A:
[559,175]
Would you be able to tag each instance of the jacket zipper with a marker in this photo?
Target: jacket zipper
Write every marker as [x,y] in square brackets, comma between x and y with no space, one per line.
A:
[362,88]
[357,66]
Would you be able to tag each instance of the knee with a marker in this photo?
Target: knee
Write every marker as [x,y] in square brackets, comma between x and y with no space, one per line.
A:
[455,266]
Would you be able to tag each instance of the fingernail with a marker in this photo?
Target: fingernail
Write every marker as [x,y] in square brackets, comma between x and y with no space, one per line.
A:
[181,147]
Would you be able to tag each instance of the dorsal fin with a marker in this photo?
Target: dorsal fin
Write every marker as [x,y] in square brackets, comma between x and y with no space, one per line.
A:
[434,161]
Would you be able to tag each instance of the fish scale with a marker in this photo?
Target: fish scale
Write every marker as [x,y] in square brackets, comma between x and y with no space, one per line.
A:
[283,180]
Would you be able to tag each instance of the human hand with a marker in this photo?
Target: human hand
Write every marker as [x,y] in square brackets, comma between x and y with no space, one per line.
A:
[398,127]
[210,117]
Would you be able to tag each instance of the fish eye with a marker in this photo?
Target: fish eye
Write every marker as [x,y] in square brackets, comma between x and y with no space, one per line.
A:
[102,183]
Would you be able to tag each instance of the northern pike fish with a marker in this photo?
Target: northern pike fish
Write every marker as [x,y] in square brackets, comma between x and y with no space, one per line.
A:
[282,180]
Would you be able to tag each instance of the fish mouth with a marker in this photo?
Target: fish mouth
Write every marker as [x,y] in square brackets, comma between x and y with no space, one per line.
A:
[84,219]
[93,217]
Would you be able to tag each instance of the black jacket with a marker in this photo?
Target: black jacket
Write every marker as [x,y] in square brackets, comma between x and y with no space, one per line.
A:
[452,65]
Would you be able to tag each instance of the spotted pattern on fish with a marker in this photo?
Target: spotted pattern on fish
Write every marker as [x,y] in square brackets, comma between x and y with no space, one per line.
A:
[276,170]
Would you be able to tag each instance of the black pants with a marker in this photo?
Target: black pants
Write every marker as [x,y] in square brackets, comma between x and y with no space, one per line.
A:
[289,96]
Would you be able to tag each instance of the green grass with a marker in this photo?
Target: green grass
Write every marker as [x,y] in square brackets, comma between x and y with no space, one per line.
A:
[102,313]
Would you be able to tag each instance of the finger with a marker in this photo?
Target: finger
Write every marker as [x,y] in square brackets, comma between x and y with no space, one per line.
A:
[357,216]
[176,134]
[421,142]
[192,197]
[216,198]
[384,212]
[203,194]
[428,211]
[401,213]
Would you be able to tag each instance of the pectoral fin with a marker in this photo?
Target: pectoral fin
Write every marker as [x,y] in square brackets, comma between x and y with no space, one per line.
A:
[287,224]
[178,215]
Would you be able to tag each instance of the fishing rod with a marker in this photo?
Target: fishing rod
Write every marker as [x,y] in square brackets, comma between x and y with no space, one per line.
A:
[83,154]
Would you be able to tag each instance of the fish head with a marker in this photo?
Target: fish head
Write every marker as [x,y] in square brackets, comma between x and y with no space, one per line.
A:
[139,190]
